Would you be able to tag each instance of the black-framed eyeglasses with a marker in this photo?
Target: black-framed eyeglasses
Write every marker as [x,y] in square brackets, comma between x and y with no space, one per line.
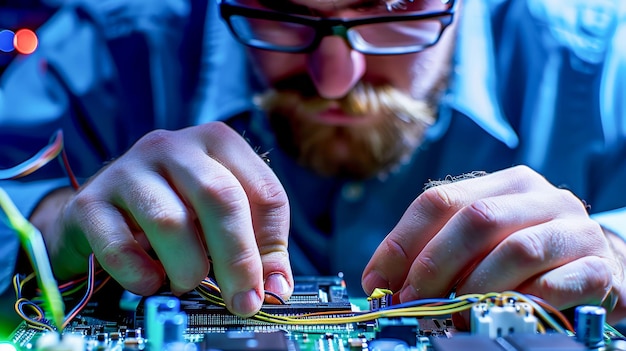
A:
[394,33]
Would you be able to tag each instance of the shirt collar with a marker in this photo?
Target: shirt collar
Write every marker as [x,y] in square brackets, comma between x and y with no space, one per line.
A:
[473,83]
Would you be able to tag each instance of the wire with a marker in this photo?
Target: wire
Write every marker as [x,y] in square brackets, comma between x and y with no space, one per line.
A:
[270,294]
[541,311]
[30,237]
[41,158]
[38,321]
[33,244]
[554,311]
[68,170]
[418,308]
[90,289]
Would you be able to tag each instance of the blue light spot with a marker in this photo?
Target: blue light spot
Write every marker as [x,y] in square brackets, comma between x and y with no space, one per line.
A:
[6,40]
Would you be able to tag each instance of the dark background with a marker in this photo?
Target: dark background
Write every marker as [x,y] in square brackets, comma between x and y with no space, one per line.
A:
[17,14]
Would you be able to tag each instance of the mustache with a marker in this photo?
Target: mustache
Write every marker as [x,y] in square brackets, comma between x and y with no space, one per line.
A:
[363,98]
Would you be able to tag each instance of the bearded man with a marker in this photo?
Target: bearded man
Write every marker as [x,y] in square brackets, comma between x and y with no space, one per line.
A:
[355,106]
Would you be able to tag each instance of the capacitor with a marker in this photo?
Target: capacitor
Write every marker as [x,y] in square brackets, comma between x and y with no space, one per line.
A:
[164,322]
[589,325]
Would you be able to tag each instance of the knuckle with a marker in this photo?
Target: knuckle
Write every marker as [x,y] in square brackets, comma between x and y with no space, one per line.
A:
[156,140]
[586,236]
[274,255]
[218,127]
[168,220]
[119,174]
[592,229]
[216,130]
[570,201]
[440,198]
[270,198]
[393,248]
[481,215]
[111,255]
[525,177]
[245,258]
[83,202]
[85,207]
[427,266]
[269,194]
[224,192]
[524,248]
[524,172]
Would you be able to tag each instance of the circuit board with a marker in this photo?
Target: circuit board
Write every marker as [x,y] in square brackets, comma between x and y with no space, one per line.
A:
[319,316]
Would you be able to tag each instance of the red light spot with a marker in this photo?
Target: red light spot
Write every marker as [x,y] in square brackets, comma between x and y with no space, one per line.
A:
[25,41]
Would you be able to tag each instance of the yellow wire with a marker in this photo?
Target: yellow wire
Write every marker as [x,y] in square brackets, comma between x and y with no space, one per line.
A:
[462,303]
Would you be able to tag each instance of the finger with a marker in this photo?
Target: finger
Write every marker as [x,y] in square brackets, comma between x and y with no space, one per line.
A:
[113,244]
[535,250]
[393,258]
[587,280]
[224,215]
[426,216]
[235,196]
[268,203]
[472,233]
[169,228]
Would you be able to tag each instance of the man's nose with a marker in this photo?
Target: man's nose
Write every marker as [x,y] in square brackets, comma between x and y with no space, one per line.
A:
[334,67]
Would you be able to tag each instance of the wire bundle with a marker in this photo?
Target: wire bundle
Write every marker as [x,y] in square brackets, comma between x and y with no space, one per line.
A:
[36,318]
[209,290]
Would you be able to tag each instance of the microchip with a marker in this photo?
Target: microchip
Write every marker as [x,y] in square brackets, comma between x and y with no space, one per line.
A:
[245,341]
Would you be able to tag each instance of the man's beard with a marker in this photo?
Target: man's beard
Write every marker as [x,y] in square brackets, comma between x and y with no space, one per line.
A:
[393,130]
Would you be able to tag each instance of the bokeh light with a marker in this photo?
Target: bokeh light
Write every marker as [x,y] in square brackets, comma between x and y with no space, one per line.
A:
[4,346]
[25,41]
[6,40]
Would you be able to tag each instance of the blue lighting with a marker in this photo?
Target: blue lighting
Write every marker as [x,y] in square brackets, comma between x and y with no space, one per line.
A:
[6,40]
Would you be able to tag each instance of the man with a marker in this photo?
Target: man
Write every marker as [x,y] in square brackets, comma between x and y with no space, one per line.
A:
[360,104]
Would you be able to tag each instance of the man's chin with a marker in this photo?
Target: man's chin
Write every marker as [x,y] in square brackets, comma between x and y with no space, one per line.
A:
[354,158]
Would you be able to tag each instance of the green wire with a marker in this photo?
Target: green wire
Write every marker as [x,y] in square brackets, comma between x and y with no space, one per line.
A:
[33,243]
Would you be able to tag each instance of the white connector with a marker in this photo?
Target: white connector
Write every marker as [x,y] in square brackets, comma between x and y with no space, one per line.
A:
[498,321]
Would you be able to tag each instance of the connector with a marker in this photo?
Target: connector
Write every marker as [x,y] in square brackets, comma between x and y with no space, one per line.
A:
[497,321]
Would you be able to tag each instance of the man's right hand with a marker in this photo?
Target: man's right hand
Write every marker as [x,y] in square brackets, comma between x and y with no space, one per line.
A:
[162,209]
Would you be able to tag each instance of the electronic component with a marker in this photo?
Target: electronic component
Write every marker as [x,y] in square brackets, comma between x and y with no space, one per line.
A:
[402,328]
[320,316]
[311,295]
[389,344]
[513,342]
[542,342]
[245,341]
[589,325]
[380,298]
[165,323]
[501,320]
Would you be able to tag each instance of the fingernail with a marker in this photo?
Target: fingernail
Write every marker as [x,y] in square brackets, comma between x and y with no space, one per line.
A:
[246,303]
[277,283]
[408,293]
[372,281]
